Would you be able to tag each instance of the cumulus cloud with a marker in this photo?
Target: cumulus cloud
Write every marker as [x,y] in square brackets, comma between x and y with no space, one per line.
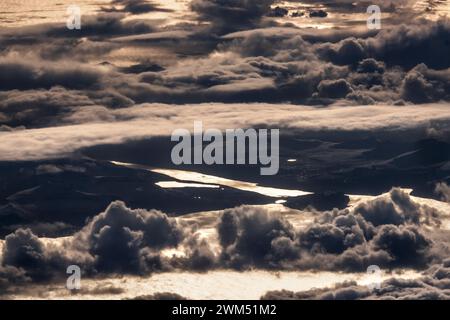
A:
[422,85]
[334,89]
[160,296]
[259,65]
[338,240]
[124,240]
[121,240]
[17,73]
[104,26]
[133,6]
[255,237]
[398,209]
[24,253]
[34,108]
[132,124]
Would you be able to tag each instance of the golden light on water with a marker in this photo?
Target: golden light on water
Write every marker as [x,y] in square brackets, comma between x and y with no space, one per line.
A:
[221,284]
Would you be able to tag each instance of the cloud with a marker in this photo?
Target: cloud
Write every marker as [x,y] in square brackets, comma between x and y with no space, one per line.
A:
[11,276]
[103,26]
[406,245]
[118,241]
[443,190]
[231,14]
[432,286]
[339,240]
[334,89]
[121,240]
[26,252]
[347,51]
[35,108]
[410,45]
[128,241]
[160,296]
[265,64]
[17,73]
[397,209]
[422,85]
[335,237]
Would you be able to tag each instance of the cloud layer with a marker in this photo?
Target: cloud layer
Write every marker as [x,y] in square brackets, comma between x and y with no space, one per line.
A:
[126,241]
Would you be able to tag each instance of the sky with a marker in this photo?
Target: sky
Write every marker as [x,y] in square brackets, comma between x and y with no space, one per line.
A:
[86,178]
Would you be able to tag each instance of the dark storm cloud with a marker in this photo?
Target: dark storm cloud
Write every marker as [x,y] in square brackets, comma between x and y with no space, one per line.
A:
[271,68]
[101,289]
[39,107]
[403,45]
[26,252]
[130,241]
[334,88]
[104,25]
[343,291]
[10,276]
[17,73]
[161,296]
[423,85]
[255,237]
[58,106]
[335,237]
[371,66]
[258,66]
[338,240]
[410,45]
[346,52]
[390,211]
[406,245]
[117,241]
[398,209]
